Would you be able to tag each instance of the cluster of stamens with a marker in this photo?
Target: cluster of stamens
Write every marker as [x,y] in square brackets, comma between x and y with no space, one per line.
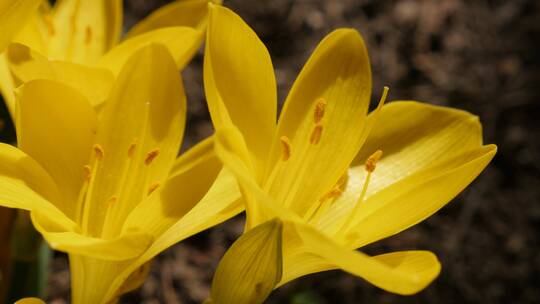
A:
[316,132]
[90,172]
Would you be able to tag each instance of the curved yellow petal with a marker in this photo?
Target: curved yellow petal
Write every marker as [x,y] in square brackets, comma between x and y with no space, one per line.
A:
[239,82]
[36,33]
[176,214]
[201,152]
[24,184]
[7,85]
[26,65]
[124,247]
[260,208]
[30,301]
[183,191]
[86,271]
[405,272]
[190,13]
[251,268]
[414,199]
[13,17]
[182,43]
[140,131]
[324,120]
[56,126]
[413,137]
[82,31]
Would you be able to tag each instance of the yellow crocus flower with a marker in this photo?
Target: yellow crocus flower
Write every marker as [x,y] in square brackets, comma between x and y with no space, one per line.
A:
[328,178]
[74,41]
[108,189]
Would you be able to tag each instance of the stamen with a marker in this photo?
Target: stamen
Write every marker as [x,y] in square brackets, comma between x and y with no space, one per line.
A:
[88,35]
[50,24]
[87,172]
[318,113]
[316,134]
[132,147]
[342,181]
[151,156]
[153,187]
[286,145]
[335,192]
[371,162]
[370,165]
[99,152]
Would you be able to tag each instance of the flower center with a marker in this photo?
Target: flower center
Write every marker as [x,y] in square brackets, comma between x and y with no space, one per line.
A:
[286,178]
[126,186]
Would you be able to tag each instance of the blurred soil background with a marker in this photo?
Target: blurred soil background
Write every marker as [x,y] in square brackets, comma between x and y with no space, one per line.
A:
[481,56]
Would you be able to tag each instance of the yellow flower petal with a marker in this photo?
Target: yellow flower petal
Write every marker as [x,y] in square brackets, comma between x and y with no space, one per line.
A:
[99,274]
[30,301]
[324,119]
[24,184]
[140,131]
[405,272]
[198,183]
[413,199]
[56,127]
[193,199]
[123,247]
[201,152]
[190,13]
[182,43]
[36,32]
[82,31]
[171,224]
[26,64]
[13,16]
[408,149]
[7,85]
[239,82]
[259,206]
[251,267]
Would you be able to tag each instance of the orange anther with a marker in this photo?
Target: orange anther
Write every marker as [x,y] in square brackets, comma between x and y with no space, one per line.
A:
[371,162]
[286,147]
[151,156]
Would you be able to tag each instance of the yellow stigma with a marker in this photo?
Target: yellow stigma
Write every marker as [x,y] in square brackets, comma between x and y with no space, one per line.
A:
[88,35]
[87,172]
[153,187]
[384,94]
[286,148]
[320,107]
[132,147]
[316,134]
[151,156]
[50,24]
[99,152]
[371,162]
